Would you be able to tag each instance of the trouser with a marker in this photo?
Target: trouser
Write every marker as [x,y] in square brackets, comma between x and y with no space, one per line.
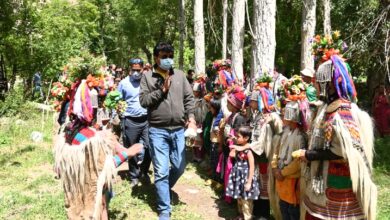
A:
[245,207]
[168,157]
[38,89]
[214,156]
[135,130]
[289,211]
[261,208]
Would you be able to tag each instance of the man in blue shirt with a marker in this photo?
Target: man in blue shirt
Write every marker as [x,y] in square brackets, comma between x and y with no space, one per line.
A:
[135,126]
[37,81]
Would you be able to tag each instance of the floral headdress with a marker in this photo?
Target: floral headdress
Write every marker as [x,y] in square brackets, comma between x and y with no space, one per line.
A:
[86,66]
[333,67]
[293,89]
[296,104]
[263,81]
[323,47]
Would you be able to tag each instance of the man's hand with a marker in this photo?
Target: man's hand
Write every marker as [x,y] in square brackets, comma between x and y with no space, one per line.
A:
[192,124]
[167,84]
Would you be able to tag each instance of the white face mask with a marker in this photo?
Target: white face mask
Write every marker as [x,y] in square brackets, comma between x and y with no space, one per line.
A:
[137,75]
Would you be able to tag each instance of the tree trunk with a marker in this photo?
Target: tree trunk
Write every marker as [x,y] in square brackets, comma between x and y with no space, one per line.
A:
[307,32]
[327,6]
[13,77]
[148,54]
[3,78]
[238,39]
[224,28]
[182,24]
[264,42]
[200,60]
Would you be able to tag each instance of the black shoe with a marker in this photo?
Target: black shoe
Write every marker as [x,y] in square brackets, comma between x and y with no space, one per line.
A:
[146,179]
[174,197]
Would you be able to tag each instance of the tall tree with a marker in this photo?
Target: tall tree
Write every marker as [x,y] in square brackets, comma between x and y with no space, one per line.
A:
[182,32]
[326,8]
[238,38]
[264,43]
[200,59]
[224,27]
[307,32]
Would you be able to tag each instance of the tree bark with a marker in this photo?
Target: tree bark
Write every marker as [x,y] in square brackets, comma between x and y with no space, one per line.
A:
[307,32]
[182,24]
[224,28]
[200,60]
[264,41]
[13,77]
[238,39]
[327,25]
[148,54]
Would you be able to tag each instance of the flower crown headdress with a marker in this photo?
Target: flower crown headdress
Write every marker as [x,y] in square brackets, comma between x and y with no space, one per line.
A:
[323,47]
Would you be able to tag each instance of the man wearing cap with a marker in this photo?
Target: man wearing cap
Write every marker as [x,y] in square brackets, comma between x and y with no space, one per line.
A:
[307,76]
[168,96]
[135,122]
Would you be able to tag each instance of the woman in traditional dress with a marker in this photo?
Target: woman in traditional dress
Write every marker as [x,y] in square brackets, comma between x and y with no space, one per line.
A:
[340,152]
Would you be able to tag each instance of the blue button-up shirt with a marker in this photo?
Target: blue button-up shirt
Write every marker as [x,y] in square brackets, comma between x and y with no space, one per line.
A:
[129,89]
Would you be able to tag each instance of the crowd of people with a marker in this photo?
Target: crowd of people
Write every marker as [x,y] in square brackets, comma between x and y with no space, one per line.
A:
[300,147]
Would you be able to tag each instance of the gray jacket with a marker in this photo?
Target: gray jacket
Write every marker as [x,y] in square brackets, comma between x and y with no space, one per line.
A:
[167,110]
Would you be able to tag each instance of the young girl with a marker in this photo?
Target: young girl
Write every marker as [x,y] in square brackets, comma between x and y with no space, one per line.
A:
[229,128]
[243,183]
[216,148]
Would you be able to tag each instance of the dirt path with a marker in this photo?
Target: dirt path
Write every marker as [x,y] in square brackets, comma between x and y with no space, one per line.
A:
[194,196]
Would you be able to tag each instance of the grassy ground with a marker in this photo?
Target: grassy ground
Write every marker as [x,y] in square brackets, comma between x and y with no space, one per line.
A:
[28,189]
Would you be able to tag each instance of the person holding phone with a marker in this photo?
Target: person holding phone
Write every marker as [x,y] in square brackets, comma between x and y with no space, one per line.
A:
[169,99]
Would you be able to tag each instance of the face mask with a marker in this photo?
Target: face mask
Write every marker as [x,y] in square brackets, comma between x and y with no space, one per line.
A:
[166,64]
[136,75]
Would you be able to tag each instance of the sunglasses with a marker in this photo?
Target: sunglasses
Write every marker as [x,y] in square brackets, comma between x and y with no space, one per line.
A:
[136,61]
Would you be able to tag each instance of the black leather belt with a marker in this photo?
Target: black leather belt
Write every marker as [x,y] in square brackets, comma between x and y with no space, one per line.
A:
[137,119]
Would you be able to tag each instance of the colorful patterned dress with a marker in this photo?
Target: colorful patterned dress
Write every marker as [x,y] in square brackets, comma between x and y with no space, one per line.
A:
[237,179]
[330,191]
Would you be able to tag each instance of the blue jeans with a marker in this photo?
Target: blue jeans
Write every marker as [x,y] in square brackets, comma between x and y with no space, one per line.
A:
[168,157]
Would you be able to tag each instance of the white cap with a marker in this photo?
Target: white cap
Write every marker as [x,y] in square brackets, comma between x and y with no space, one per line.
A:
[196,87]
[308,72]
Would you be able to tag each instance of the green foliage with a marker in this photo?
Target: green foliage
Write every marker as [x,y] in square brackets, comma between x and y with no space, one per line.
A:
[382,176]
[79,67]
[15,104]
[265,78]
[43,36]
[62,31]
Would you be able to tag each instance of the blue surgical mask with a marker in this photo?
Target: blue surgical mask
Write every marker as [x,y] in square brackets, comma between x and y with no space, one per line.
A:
[166,64]
[136,75]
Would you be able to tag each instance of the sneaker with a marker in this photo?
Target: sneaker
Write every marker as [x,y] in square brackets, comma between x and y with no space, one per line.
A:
[163,216]
[134,182]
